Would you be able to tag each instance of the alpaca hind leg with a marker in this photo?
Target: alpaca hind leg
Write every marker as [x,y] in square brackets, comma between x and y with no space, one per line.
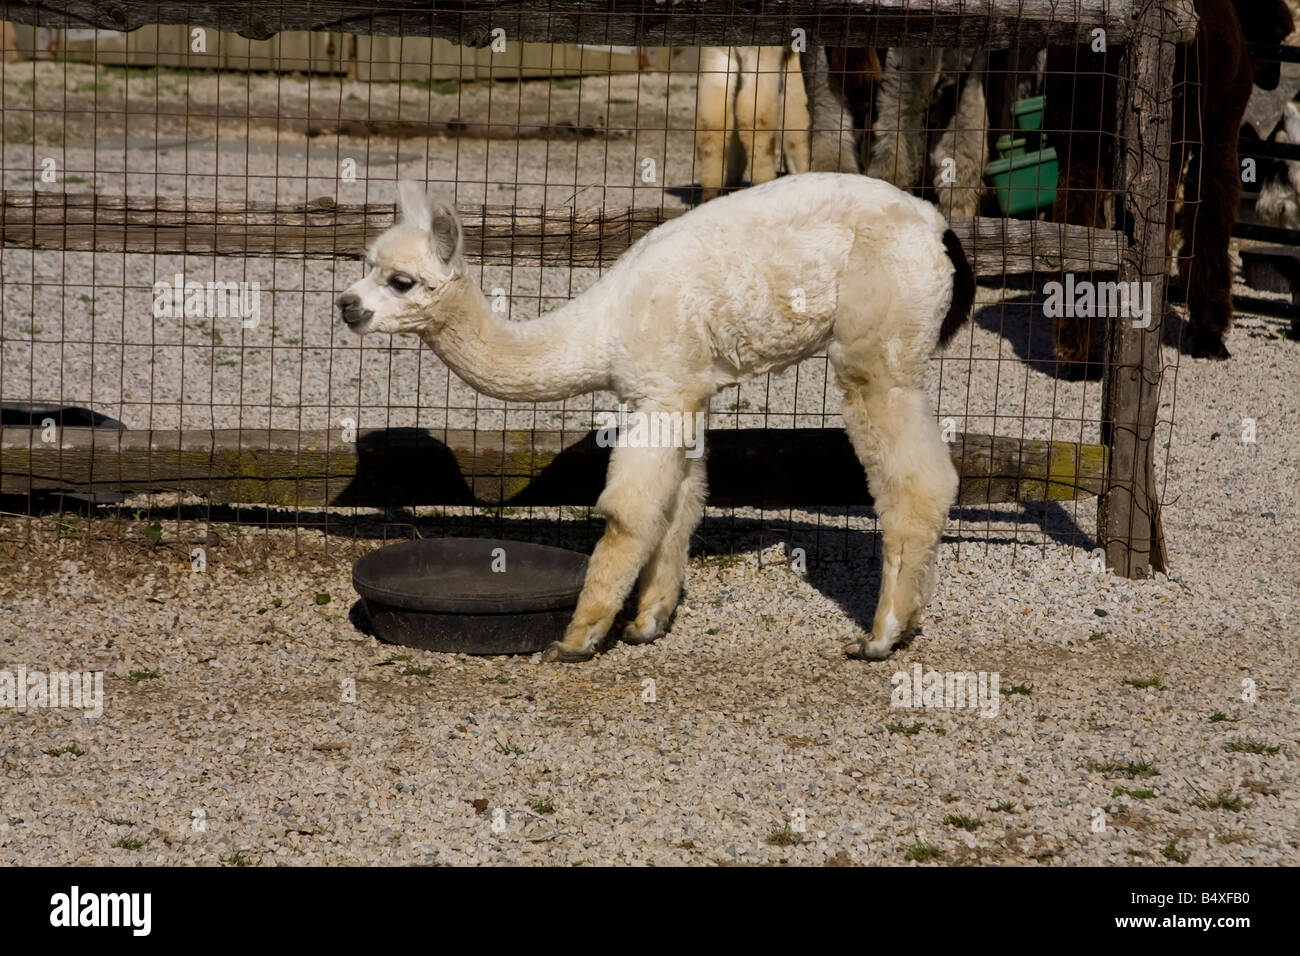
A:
[914,484]
[642,488]
[661,581]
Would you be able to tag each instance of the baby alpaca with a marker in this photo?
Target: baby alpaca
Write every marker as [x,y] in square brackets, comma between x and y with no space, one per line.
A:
[750,283]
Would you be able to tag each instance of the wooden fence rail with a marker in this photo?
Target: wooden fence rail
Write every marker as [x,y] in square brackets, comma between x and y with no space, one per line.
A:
[988,23]
[414,466]
[494,233]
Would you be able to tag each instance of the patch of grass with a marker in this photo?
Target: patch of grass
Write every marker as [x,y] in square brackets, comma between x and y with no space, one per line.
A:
[1142,683]
[1132,769]
[1252,747]
[238,858]
[895,728]
[782,836]
[397,657]
[276,602]
[1225,799]
[69,749]
[323,598]
[509,749]
[1025,689]
[154,533]
[410,670]
[1006,806]
[136,676]
[719,560]
[130,843]
[1171,852]
[497,679]
[1136,794]
[963,822]
[1219,717]
[542,806]
[920,851]
[1096,635]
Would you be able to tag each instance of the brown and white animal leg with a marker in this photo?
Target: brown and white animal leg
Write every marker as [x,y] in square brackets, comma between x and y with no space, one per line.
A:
[758,109]
[794,122]
[640,492]
[715,96]
[898,128]
[913,484]
[661,581]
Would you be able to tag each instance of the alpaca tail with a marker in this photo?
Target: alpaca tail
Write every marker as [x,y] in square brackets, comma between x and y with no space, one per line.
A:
[963,289]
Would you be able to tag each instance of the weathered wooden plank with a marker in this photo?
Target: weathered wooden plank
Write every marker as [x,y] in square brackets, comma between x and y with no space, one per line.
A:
[1128,517]
[401,467]
[989,23]
[497,233]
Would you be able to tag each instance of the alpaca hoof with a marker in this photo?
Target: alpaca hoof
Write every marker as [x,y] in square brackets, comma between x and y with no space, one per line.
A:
[1208,345]
[557,652]
[647,635]
[868,651]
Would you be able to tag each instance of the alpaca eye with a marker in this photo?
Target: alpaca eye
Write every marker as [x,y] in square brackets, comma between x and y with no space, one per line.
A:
[401,283]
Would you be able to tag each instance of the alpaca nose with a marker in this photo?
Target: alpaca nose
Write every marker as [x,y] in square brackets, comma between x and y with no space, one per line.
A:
[349,304]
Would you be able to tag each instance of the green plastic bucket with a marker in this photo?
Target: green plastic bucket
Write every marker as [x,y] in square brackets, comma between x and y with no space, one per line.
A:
[1028,113]
[1026,182]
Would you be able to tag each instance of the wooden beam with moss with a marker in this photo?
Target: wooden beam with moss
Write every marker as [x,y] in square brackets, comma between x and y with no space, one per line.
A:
[403,467]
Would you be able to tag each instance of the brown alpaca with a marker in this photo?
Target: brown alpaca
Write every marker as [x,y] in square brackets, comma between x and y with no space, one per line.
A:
[1080,115]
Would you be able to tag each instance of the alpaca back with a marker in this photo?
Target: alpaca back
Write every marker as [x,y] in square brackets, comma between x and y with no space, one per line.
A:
[755,281]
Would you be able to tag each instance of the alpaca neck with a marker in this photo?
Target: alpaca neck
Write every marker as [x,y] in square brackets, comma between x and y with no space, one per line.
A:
[556,356]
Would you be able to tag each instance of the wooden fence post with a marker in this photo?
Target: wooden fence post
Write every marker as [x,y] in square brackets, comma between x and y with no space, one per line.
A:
[1128,517]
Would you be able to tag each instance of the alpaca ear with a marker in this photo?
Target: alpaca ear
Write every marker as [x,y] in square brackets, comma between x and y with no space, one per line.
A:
[413,204]
[445,227]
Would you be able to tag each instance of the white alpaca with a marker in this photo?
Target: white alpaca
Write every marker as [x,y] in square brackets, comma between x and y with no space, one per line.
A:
[750,283]
[755,93]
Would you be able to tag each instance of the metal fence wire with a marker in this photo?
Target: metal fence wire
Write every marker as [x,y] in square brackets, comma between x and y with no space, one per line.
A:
[182,205]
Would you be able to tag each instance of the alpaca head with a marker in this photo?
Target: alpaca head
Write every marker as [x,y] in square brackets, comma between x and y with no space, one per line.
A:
[412,267]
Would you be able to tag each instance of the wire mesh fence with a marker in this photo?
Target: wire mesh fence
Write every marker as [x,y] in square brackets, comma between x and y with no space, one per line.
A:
[183,205]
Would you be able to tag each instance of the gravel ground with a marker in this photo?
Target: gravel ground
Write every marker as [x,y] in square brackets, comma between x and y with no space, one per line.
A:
[758,725]
[1121,733]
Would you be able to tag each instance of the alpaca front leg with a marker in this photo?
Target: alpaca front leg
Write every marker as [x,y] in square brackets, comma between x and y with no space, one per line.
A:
[715,93]
[914,484]
[642,487]
[961,154]
[758,110]
[661,582]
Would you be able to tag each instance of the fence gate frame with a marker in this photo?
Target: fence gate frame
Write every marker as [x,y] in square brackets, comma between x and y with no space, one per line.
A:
[1128,519]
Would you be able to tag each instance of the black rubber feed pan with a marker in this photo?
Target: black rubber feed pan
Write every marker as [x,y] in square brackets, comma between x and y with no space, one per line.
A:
[442,594]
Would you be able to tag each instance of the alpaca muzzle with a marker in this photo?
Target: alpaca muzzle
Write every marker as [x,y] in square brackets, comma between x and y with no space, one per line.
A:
[349,304]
